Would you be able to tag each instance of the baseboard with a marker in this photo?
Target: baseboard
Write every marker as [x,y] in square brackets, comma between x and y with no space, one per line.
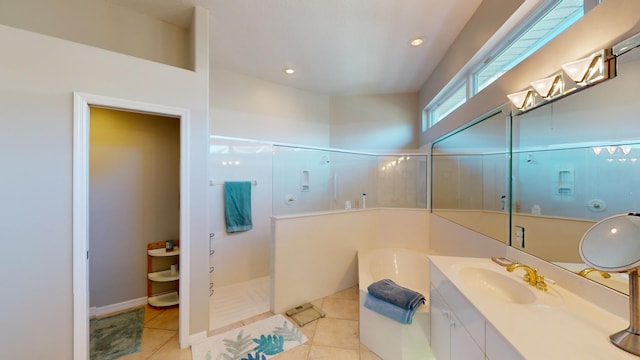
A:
[195,338]
[108,309]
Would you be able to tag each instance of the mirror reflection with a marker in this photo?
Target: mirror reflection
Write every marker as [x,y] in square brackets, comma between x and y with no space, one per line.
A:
[469,176]
[575,162]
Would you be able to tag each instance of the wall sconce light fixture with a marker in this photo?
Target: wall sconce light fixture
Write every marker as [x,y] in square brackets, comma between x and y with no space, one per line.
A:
[597,67]
[587,70]
[550,86]
[522,100]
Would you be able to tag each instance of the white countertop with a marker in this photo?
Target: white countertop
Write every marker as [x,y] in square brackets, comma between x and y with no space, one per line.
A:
[559,325]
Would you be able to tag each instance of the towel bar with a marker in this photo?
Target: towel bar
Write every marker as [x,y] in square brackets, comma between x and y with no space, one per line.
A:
[213,183]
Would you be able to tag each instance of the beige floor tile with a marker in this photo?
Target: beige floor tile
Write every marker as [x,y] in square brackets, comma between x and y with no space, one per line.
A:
[140,355]
[351,293]
[171,351]
[309,330]
[335,337]
[341,308]
[298,353]
[337,333]
[368,355]
[154,339]
[150,312]
[331,353]
[317,303]
[167,320]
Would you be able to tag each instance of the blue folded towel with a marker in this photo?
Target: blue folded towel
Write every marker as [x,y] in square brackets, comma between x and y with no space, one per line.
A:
[391,292]
[237,205]
[401,315]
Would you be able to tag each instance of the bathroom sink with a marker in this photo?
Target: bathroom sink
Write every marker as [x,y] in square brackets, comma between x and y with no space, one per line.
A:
[498,286]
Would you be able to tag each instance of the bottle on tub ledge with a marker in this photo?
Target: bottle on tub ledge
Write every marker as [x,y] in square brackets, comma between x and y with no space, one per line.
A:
[364,200]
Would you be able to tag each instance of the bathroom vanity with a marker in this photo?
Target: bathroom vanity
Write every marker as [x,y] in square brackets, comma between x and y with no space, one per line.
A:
[480,310]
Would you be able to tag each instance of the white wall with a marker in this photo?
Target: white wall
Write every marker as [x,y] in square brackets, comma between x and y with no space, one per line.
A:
[134,199]
[102,24]
[315,255]
[377,123]
[450,239]
[244,255]
[39,75]
[246,107]
[485,22]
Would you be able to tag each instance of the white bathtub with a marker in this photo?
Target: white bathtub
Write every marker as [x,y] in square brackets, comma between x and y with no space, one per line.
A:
[388,338]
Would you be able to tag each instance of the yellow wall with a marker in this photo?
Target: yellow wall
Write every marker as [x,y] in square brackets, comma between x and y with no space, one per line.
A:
[134,199]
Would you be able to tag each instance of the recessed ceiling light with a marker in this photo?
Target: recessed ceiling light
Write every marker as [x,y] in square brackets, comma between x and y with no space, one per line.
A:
[416,42]
[289,71]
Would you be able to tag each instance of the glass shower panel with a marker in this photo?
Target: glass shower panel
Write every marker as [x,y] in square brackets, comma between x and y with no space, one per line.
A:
[301,180]
[312,180]
[402,181]
[353,175]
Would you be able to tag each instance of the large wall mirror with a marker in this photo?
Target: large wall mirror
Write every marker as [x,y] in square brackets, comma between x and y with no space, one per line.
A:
[577,161]
[469,182]
[574,162]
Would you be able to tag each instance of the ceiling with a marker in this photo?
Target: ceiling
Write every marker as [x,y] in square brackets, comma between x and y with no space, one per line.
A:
[337,47]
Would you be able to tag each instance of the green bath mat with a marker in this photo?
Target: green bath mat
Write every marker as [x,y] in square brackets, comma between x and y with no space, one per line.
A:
[117,335]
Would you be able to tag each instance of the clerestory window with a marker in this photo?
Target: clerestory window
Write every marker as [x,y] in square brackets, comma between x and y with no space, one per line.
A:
[549,21]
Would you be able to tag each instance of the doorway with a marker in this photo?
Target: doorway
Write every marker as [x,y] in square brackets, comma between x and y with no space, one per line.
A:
[134,177]
[83,105]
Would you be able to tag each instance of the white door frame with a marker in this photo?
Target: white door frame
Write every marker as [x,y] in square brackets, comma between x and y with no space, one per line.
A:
[81,123]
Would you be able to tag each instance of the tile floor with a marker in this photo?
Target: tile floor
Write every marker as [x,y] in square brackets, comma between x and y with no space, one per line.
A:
[334,337]
[160,336]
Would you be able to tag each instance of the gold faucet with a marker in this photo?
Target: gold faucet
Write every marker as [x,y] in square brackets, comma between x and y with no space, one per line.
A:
[531,276]
[585,272]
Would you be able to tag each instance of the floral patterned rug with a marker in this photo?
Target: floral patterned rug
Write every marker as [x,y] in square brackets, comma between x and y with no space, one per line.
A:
[257,341]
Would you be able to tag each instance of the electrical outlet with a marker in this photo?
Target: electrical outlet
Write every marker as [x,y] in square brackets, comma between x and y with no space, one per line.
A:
[518,239]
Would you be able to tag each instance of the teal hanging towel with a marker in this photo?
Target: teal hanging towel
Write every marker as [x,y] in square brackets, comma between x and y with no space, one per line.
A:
[237,205]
